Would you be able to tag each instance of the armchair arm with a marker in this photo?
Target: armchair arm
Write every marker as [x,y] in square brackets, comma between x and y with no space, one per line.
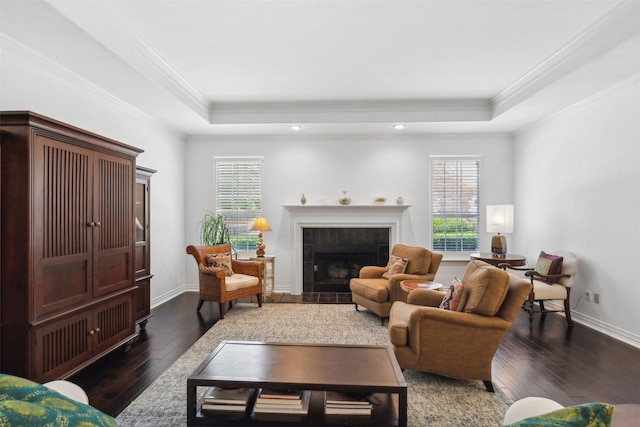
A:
[505,265]
[371,272]
[213,271]
[250,268]
[535,275]
[449,321]
[425,297]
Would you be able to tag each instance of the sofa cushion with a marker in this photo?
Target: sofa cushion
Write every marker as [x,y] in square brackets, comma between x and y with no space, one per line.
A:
[396,265]
[588,415]
[221,261]
[372,289]
[24,402]
[548,264]
[486,288]
[453,297]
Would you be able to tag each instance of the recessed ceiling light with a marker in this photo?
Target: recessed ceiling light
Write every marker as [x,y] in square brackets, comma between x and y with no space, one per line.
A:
[399,126]
[295,127]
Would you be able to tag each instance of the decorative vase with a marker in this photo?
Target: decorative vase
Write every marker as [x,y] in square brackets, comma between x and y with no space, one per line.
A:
[303,199]
[400,200]
[344,200]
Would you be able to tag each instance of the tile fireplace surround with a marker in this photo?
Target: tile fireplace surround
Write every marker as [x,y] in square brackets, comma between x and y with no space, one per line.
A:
[335,216]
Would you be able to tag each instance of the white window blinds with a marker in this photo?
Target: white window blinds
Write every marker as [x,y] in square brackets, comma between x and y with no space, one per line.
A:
[238,185]
[455,201]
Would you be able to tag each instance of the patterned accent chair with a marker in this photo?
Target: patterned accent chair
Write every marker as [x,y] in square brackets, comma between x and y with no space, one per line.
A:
[376,293]
[215,282]
[458,343]
[549,283]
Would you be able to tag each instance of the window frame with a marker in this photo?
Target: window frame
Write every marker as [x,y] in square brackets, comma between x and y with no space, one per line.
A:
[239,220]
[463,252]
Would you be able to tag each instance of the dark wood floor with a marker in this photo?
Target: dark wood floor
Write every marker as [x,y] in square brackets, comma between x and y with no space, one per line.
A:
[571,367]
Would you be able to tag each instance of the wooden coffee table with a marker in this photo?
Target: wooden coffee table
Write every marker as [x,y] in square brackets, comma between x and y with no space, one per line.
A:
[317,367]
[411,284]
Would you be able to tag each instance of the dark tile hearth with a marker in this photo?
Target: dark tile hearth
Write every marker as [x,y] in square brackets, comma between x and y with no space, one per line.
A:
[314,297]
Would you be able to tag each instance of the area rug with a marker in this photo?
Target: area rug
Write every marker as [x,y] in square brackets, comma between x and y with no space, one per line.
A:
[432,400]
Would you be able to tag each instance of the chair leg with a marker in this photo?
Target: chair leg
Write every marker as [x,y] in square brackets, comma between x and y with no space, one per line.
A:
[259,300]
[489,385]
[567,310]
[542,309]
[356,307]
[221,305]
[531,308]
[199,305]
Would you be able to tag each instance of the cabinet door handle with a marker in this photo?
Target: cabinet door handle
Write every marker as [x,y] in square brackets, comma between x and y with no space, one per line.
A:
[98,224]
[91,224]
[91,332]
[97,329]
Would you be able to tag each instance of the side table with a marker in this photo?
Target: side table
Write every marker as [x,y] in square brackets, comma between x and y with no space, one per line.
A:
[512,259]
[268,278]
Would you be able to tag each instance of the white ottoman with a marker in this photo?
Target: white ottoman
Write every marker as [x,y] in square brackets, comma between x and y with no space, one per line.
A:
[529,407]
[69,389]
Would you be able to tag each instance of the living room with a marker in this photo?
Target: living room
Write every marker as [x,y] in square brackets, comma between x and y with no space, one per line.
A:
[568,165]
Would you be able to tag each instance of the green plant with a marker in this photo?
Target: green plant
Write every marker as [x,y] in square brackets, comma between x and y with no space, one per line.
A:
[214,230]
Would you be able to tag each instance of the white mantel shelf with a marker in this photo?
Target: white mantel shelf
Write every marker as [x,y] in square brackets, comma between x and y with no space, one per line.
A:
[388,208]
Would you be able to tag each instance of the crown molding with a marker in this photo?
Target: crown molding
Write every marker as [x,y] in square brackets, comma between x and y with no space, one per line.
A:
[99,20]
[612,29]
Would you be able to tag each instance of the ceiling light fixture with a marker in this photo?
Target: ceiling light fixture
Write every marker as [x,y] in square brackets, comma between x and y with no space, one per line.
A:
[399,126]
[295,127]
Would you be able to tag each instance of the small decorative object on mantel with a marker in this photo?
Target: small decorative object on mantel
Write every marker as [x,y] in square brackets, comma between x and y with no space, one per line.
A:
[303,200]
[344,200]
[379,200]
[400,200]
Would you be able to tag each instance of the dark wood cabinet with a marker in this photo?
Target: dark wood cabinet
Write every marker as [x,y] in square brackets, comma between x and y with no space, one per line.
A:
[68,249]
[143,245]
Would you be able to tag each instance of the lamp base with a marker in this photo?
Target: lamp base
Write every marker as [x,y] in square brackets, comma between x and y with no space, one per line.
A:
[499,245]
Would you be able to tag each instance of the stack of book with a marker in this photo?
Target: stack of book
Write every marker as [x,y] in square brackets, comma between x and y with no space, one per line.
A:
[282,401]
[227,399]
[347,404]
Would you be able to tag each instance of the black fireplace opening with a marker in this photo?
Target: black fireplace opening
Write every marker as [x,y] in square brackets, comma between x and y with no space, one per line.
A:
[332,256]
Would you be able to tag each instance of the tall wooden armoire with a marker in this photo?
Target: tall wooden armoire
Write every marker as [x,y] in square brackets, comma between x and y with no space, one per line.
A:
[67,225]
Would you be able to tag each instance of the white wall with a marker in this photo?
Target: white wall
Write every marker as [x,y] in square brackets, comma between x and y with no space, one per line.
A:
[29,83]
[321,168]
[577,188]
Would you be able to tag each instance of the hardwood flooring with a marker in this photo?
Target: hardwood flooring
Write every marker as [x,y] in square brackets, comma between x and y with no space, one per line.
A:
[569,366]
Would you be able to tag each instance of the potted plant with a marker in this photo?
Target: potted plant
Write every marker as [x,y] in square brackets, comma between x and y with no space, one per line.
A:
[214,230]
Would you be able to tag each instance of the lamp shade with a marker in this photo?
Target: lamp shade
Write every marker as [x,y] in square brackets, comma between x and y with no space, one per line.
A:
[260,224]
[500,218]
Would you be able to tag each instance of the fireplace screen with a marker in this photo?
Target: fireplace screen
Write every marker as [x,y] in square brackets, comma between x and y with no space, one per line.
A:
[332,256]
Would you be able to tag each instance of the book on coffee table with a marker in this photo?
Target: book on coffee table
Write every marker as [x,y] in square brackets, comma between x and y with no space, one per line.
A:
[347,403]
[284,406]
[224,399]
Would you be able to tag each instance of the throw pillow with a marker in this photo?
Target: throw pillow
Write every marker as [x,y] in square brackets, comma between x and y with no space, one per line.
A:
[588,415]
[221,261]
[452,298]
[548,264]
[396,265]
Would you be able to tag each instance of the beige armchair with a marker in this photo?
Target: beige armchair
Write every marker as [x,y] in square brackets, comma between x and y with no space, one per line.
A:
[217,286]
[376,293]
[549,287]
[458,344]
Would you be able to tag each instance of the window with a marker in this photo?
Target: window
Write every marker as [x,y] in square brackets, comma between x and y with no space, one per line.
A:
[238,184]
[455,201]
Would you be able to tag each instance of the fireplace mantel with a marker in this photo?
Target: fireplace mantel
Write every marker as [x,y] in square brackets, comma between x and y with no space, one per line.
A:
[376,216]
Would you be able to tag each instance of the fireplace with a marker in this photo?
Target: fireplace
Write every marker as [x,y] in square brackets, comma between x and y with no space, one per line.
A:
[332,256]
[388,218]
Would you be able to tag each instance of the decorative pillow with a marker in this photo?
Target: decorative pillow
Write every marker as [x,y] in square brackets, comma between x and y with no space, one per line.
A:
[548,264]
[485,288]
[396,265]
[451,300]
[26,403]
[587,415]
[221,261]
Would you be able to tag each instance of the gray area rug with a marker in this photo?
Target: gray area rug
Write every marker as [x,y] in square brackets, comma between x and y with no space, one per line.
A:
[432,400]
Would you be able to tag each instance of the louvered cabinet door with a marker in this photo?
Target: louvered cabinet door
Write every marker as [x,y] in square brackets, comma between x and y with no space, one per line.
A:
[113,224]
[61,346]
[113,322]
[62,216]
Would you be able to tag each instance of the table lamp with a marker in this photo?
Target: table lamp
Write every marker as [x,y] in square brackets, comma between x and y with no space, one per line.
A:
[260,225]
[499,220]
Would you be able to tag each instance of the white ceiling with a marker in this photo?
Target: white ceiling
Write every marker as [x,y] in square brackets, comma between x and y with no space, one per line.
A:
[356,66]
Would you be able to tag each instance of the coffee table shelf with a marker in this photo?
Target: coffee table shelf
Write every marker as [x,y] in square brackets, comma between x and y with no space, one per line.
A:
[317,367]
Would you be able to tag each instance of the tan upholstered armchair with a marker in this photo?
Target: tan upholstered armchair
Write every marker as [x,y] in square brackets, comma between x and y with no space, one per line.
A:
[377,293]
[549,285]
[217,286]
[458,344]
